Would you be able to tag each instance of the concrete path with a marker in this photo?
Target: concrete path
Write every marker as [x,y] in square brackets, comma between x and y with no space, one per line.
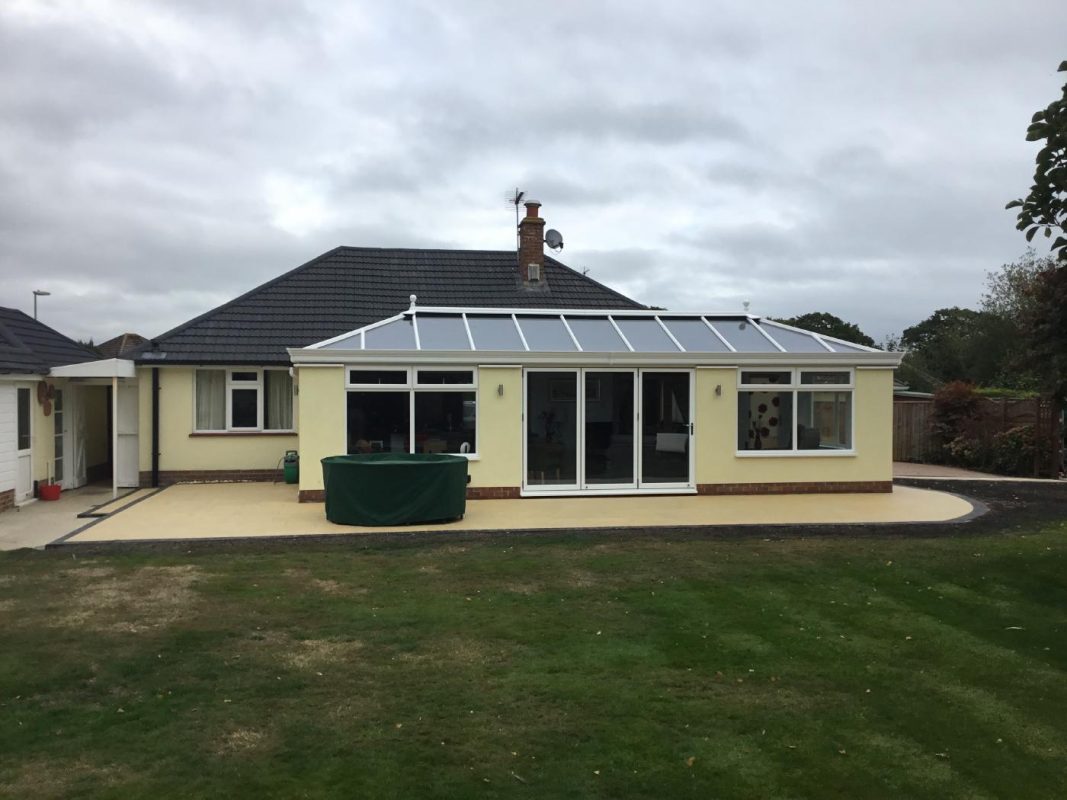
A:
[904,469]
[222,511]
[38,523]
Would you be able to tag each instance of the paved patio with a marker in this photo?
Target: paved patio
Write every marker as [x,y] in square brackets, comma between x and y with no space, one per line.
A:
[38,523]
[223,511]
[905,469]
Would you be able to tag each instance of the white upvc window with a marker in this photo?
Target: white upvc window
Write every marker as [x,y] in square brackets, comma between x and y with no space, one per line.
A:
[242,400]
[412,410]
[800,411]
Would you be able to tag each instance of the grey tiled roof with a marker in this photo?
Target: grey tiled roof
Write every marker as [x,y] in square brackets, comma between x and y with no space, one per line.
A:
[121,345]
[350,287]
[31,347]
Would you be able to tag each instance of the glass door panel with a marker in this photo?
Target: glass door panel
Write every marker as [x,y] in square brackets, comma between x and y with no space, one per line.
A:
[609,429]
[665,427]
[551,429]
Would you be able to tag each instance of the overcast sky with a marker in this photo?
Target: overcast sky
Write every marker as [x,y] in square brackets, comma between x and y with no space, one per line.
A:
[160,158]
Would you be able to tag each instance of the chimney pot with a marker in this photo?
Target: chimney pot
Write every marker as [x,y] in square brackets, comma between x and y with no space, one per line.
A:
[531,209]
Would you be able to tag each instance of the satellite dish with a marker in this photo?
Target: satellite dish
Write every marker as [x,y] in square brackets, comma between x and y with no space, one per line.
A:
[554,239]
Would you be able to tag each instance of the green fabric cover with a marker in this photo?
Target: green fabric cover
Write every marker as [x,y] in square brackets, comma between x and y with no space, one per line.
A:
[394,488]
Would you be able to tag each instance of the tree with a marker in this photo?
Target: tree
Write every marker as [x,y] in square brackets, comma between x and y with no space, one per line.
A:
[828,324]
[954,344]
[1045,207]
[1045,323]
[1010,296]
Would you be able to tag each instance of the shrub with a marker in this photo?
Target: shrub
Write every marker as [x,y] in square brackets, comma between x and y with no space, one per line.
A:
[1013,451]
[957,409]
[965,451]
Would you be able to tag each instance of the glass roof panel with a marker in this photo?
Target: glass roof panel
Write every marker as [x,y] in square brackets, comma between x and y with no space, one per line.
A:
[494,333]
[694,335]
[646,335]
[546,334]
[442,332]
[597,335]
[744,336]
[396,335]
[841,347]
[348,343]
[795,341]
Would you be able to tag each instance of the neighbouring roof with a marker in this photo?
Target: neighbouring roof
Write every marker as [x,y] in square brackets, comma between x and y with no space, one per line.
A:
[351,287]
[31,347]
[621,333]
[121,345]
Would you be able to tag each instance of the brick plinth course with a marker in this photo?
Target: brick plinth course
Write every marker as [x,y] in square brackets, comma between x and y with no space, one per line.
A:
[170,477]
[473,493]
[816,487]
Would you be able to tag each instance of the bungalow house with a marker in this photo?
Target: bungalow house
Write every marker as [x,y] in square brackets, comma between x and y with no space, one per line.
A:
[57,400]
[547,381]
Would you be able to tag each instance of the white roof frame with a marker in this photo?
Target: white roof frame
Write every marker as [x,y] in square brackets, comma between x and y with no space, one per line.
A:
[328,351]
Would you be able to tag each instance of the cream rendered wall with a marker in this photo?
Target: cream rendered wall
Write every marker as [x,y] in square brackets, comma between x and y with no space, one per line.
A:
[180,451]
[499,460]
[322,420]
[716,436]
[323,424]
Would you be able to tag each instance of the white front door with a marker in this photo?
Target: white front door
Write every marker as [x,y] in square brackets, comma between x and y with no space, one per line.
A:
[23,443]
[127,470]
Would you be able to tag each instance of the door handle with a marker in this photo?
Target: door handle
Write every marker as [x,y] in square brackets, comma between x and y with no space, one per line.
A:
[690,428]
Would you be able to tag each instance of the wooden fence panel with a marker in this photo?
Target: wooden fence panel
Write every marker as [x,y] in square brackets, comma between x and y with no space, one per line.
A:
[913,437]
[911,430]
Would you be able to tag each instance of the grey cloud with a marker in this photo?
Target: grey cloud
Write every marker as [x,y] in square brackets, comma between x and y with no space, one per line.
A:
[838,158]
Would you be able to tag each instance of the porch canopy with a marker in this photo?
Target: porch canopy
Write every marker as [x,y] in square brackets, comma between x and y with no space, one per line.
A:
[113,369]
[105,368]
[564,336]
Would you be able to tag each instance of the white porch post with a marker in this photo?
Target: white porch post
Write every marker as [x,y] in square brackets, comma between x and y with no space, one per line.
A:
[114,436]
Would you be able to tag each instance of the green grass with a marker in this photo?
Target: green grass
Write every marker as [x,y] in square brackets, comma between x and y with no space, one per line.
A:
[874,667]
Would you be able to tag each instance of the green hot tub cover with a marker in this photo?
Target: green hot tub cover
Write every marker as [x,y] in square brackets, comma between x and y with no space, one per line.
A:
[394,488]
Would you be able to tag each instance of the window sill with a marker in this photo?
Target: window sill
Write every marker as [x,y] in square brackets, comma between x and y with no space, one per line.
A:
[795,453]
[200,434]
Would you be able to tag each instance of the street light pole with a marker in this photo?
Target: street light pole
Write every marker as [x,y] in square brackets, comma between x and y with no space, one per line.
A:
[38,293]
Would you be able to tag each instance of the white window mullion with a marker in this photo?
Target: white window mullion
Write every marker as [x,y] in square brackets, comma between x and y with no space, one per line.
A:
[229,404]
[411,420]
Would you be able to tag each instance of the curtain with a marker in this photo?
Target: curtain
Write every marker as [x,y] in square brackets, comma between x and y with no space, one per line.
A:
[211,399]
[278,385]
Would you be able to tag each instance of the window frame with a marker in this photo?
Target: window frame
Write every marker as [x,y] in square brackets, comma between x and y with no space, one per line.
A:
[795,387]
[259,385]
[411,386]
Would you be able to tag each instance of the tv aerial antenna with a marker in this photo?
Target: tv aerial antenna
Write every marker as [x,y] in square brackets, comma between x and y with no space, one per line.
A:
[515,199]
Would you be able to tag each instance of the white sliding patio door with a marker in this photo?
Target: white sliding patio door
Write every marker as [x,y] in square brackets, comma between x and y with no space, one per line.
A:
[609,448]
[666,429]
[602,431]
[552,429]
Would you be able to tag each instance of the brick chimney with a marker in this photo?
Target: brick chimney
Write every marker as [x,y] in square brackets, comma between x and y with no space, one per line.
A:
[532,246]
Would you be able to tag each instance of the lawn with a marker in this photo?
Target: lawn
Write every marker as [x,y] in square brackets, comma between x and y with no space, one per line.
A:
[822,667]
